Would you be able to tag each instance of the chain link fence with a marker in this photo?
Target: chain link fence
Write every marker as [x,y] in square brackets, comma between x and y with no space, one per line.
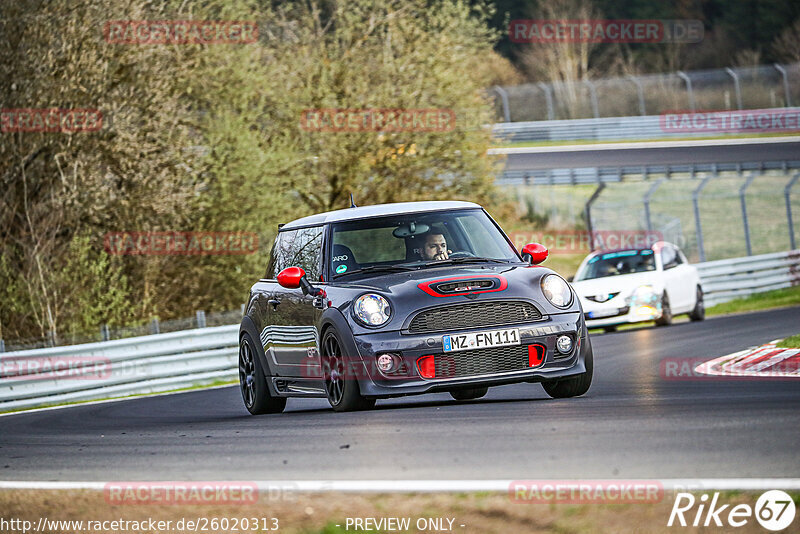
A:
[759,87]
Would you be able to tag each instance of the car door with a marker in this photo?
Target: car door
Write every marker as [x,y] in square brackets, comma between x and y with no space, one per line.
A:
[674,278]
[293,346]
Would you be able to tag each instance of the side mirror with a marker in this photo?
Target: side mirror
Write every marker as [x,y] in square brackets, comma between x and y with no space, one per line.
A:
[534,253]
[294,277]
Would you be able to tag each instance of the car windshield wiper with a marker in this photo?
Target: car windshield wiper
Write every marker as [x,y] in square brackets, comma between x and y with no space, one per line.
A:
[469,259]
[375,268]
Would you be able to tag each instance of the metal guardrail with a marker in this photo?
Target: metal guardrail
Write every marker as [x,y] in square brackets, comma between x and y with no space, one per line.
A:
[725,280]
[600,129]
[121,367]
[162,362]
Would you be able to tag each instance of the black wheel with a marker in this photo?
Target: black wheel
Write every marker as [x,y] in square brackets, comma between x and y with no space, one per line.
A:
[469,394]
[699,311]
[666,312]
[608,329]
[575,385]
[253,383]
[341,385]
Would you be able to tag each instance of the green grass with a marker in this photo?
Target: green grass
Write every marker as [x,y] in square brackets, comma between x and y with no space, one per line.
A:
[792,342]
[779,298]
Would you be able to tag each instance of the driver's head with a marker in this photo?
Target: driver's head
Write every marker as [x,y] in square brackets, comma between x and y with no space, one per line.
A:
[434,246]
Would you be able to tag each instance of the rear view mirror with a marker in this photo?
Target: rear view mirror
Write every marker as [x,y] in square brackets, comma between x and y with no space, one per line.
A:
[294,277]
[534,253]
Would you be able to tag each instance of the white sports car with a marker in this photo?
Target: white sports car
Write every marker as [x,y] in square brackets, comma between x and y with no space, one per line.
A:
[634,285]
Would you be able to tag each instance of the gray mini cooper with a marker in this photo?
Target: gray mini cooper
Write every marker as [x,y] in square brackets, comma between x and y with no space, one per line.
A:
[402,299]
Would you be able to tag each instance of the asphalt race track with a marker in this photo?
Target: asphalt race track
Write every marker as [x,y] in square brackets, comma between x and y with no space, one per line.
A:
[631,424]
[777,151]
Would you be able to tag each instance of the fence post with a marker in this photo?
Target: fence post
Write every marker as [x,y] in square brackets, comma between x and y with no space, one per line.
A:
[2,345]
[736,86]
[201,318]
[682,75]
[593,96]
[639,92]
[504,98]
[646,201]
[548,96]
[786,92]
[697,226]
[587,213]
[154,326]
[787,192]
[742,191]
[104,335]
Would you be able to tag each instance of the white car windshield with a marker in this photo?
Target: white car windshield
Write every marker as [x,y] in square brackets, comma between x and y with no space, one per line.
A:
[617,263]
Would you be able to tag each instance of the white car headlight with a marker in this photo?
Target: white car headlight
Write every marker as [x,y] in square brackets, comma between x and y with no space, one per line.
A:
[556,290]
[372,309]
[643,295]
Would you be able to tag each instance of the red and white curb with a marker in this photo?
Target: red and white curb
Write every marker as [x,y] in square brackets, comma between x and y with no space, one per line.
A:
[765,361]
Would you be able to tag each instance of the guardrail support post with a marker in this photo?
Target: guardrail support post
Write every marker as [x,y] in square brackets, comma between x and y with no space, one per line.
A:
[736,86]
[787,193]
[742,191]
[646,202]
[587,213]
[104,335]
[154,327]
[682,75]
[786,92]
[548,96]
[593,96]
[504,98]
[201,318]
[639,92]
[2,345]
[697,226]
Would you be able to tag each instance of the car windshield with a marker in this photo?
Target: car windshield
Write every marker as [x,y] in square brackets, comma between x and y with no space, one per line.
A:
[617,263]
[417,240]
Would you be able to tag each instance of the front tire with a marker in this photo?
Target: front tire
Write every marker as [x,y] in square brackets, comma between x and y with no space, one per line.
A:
[468,394]
[341,385]
[666,312]
[573,386]
[253,382]
[699,311]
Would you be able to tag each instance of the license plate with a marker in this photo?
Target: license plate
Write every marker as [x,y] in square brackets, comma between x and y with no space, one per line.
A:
[481,340]
[602,313]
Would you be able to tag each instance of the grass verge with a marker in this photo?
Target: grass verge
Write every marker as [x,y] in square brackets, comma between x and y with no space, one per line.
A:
[792,342]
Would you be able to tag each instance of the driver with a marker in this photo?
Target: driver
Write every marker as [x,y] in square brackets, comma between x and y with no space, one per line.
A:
[434,246]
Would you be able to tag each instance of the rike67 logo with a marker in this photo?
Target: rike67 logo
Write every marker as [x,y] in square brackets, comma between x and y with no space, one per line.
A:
[774,510]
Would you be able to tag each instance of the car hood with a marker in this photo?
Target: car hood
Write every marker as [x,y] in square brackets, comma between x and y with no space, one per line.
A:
[411,291]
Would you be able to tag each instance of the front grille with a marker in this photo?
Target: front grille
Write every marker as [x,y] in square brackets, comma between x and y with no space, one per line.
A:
[477,314]
[481,361]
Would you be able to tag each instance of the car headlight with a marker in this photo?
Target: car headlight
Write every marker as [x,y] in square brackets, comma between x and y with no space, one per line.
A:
[643,295]
[556,290]
[372,309]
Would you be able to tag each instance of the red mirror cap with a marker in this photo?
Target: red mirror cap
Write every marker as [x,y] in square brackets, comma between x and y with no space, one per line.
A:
[290,277]
[537,252]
